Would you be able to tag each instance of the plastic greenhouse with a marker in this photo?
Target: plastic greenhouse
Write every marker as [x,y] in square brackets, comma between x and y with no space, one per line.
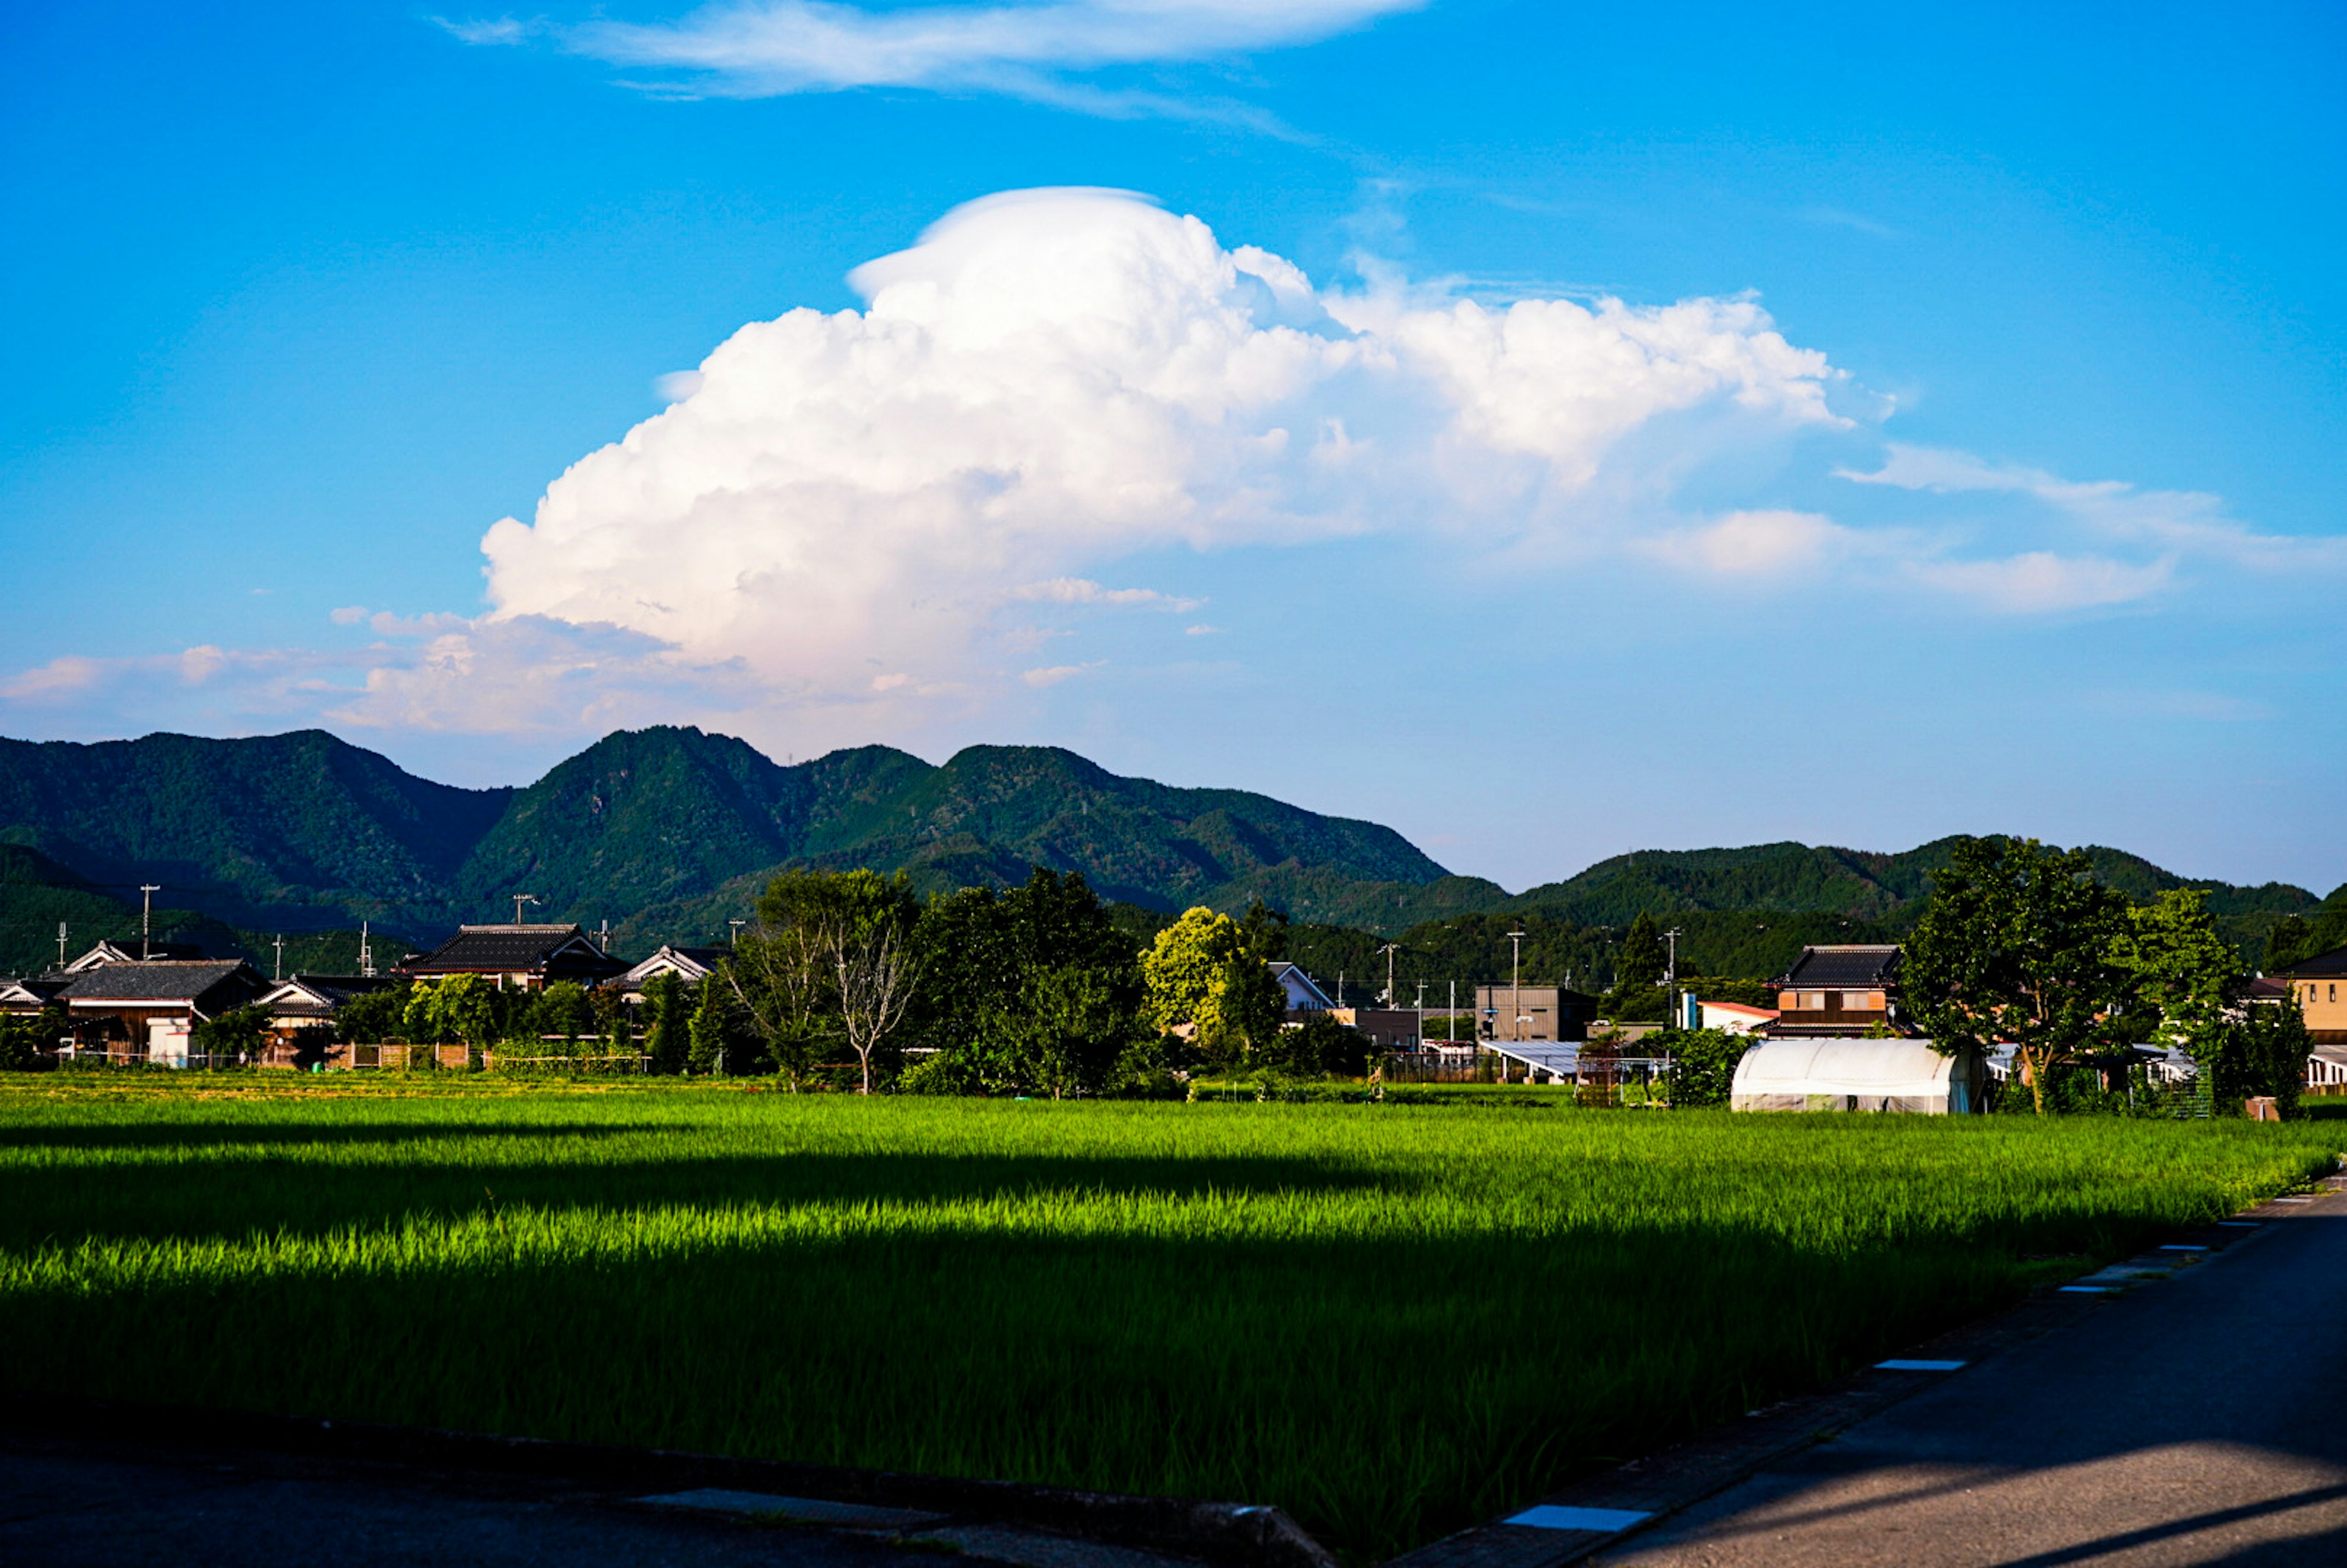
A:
[1857,1075]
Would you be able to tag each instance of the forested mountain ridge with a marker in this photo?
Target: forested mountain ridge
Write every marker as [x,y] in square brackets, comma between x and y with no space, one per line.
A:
[304,832]
[1857,883]
[302,826]
[666,833]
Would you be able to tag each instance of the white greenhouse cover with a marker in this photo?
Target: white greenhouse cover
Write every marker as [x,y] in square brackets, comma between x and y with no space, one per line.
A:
[1854,1075]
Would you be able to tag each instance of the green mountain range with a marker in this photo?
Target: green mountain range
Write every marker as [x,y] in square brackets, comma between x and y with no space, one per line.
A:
[666,833]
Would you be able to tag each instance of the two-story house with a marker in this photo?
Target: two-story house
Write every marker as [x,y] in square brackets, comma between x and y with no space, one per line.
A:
[1838,990]
[2319,985]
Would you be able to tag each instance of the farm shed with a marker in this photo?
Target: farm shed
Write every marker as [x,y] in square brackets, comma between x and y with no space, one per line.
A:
[1856,1075]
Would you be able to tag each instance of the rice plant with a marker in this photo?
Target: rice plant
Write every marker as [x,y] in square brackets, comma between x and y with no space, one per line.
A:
[1389,1319]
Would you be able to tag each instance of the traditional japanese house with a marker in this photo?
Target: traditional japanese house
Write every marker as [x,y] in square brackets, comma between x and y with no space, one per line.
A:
[1837,991]
[517,958]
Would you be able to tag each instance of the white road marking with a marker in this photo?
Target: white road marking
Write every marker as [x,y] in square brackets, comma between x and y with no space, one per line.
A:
[1552,1516]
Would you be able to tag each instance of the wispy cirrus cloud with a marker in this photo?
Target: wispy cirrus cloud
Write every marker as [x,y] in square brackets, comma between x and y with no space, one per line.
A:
[1083,590]
[2039,581]
[1052,675]
[1752,544]
[2182,523]
[770,48]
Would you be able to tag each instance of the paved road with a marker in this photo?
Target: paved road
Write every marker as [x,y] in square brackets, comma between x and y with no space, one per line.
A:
[100,1504]
[2201,1419]
[72,1503]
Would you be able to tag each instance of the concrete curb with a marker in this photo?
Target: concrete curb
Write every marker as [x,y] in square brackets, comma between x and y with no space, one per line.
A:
[1569,1525]
[1221,1532]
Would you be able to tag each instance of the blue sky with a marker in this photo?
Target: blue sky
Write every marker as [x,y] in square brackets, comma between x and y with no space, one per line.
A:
[2017,510]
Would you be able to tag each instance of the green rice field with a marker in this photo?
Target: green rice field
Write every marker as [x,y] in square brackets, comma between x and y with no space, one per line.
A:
[1389,1319]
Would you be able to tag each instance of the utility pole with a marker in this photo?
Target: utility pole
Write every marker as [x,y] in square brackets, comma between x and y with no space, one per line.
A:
[604,938]
[736,939]
[519,900]
[278,973]
[1389,950]
[1515,985]
[147,891]
[367,953]
[1671,976]
[61,943]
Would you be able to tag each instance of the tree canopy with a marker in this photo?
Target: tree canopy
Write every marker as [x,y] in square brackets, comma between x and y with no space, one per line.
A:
[2017,945]
[1033,989]
[1202,973]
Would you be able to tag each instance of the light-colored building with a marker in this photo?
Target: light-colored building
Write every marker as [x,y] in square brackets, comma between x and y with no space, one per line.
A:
[1303,993]
[106,953]
[1729,1018]
[689,964]
[2319,984]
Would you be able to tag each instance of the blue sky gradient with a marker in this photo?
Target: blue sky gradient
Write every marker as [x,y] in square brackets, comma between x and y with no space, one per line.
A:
[304,299]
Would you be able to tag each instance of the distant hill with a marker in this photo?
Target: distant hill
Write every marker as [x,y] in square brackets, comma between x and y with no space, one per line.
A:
[666,833]
[304,829]
[662,832]
[1884,890]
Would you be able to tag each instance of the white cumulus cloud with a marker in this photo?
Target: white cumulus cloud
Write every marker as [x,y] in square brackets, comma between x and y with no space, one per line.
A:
[1052,381]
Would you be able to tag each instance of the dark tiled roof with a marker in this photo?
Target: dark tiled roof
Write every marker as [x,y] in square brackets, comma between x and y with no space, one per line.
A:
[1826,968]
[2333,962]
[495,949]
[176,980]
[340,989]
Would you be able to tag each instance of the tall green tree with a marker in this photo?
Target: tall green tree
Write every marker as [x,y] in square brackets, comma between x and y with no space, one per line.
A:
[838,947]
[1031,988]
[453,1008]
[232,1038]
[2017,947]
[665,1040]
[1317,1048]
[27,1041]
[374,1016]
[707,1052]
[563,1011]
[2186,972]
[1703,1065]
[1641,961]
[2271,1048]
[1201,973]
[782,983]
